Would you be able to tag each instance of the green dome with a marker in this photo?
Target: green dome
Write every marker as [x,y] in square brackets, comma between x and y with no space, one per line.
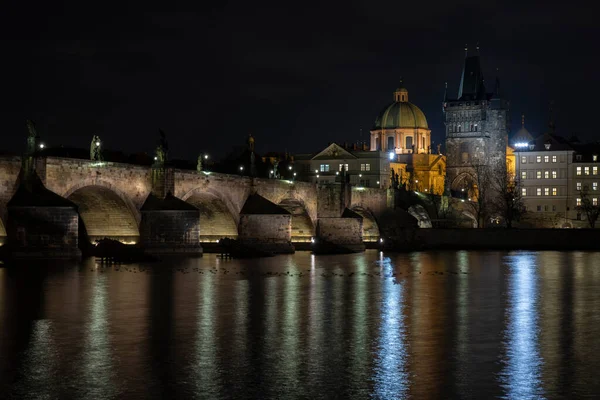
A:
[401,114]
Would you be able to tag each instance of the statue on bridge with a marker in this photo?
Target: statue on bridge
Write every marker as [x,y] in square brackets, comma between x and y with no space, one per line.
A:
[162,150]
[199,163]
[250,143]
[32,137]
[95,150]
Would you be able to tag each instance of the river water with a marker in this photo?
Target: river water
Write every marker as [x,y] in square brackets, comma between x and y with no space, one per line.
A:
[468,325]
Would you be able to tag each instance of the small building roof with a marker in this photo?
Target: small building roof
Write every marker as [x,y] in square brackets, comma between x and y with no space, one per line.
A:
[256,204]
[169,203]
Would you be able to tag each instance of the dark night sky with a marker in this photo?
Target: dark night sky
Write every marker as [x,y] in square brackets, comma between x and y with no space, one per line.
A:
[296,74]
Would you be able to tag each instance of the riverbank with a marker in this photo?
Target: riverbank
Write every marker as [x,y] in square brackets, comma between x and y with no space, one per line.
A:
[493,239]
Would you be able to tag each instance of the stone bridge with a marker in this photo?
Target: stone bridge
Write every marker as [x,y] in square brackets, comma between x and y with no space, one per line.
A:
[110,195]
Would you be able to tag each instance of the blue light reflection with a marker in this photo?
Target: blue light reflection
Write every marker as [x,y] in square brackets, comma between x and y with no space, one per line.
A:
[391,377]
[521,375]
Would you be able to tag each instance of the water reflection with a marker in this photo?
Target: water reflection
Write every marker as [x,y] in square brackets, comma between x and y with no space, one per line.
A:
[420,325]
[391,377]
[521,376]
[97,366]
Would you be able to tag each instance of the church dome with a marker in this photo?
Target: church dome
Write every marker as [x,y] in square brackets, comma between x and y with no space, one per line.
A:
[401,113]
[522,137]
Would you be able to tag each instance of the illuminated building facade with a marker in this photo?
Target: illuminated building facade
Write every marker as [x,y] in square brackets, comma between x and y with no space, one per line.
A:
[477,126]
[402,132]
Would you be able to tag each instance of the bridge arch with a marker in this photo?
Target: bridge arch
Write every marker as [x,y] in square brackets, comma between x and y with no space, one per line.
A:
[105,211]
[217,220]
[370,228]
[2,232]
[303,228]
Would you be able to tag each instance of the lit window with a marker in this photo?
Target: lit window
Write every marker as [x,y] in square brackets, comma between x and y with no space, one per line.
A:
[546,158]
[538,174]
[554,191]
[578,170]
[594,170]
[539,191]
[324,168]
[546,174]
[586,170]
[546,191]
[523,159]
[594,185]
[523,174]
[554,174]
[595,201]
[345,166]
[367,167]
[578,185]
[595,157]
[523,191]
[362,167]
[578,201]
[553,158]
[539,159]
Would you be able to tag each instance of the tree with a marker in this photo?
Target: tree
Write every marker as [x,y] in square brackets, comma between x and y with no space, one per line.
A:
[508,199]
[481,203]
[589,207]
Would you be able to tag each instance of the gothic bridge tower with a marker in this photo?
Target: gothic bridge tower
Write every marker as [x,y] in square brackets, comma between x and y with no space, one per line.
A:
[477,126]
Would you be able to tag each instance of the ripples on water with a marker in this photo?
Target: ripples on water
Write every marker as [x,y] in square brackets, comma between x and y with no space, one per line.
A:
[422,325]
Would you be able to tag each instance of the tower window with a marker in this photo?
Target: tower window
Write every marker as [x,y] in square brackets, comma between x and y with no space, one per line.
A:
[523,191]
[554,191]
[553,158]
[586,170]
[578,171]
[554,174]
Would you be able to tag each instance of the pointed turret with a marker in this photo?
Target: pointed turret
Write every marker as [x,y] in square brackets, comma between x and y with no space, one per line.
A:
[471,82]
[551,124]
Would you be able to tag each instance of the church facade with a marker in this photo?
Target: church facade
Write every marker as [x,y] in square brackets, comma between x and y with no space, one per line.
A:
[401,131]
[477,126]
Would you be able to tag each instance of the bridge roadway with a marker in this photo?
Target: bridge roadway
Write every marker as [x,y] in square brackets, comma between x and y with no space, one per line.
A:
[109,197]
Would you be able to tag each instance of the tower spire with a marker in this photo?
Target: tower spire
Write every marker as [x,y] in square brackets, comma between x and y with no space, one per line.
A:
[522,120]
[551,124]
[445,91]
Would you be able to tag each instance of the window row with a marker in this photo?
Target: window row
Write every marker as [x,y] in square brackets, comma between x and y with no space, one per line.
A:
[538,191]
[539,174]
[540,158]
[466,127]
[546,208]
[343,167]
[586,170]
[578,201]
[580,186]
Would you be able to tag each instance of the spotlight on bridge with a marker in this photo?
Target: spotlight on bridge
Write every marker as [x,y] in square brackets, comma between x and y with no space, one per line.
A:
[312,240]
[42,145]
[380,240]
[98,144]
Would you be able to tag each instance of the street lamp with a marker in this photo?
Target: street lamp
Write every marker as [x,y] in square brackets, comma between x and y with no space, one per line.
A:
[206,156]
[42,145]
[290,167]
[98,144]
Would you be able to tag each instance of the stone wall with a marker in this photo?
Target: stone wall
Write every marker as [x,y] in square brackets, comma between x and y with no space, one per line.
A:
[171,231]
[131,183]
[371,199]
[268,227]
[43,232]
[343,231]
[9,173]
[332,200]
